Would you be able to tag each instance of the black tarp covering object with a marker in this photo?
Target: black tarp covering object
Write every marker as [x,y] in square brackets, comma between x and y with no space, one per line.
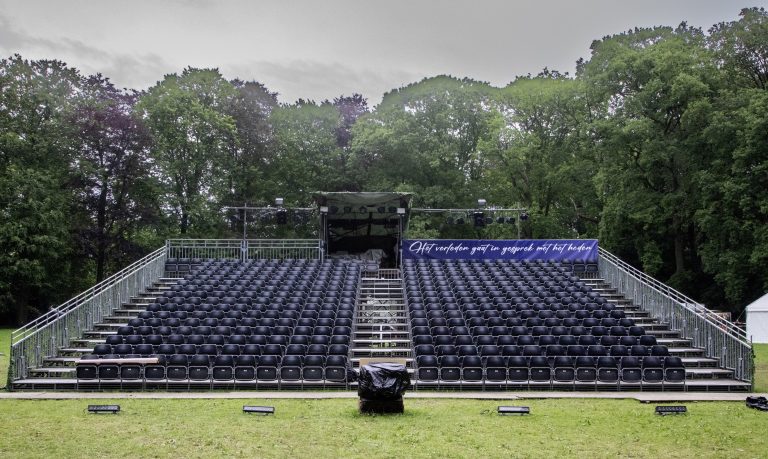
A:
[383,381]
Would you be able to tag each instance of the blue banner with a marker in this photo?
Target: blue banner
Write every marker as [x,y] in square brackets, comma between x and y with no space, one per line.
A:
[560,250]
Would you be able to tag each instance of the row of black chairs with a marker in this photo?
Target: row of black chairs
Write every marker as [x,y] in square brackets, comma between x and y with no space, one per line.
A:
[606,369]
[223,368]
[125,350]
[485,350]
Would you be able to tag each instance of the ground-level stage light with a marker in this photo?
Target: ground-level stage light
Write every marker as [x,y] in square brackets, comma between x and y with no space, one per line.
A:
[664,410]
[381,209]
[460,221]
[392,210]
[511,220]
[333,210]
[500,220]
[260,410]
[109,409]
[347,210]
[514,410]
[363,210]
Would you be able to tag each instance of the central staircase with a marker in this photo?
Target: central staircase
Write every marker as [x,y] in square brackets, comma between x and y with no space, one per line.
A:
[381,328]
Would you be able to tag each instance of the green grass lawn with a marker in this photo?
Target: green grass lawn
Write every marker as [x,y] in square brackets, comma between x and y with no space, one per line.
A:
[761,367]
[333,428]
[5,350]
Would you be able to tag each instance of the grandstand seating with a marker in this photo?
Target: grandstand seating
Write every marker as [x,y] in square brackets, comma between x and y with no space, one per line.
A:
[525,323]
[225,321]
[303,323]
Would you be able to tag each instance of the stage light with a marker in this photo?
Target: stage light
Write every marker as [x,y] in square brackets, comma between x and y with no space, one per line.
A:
[333,210]
[514,410]
[363,210]
[488,220]
[281,217]
[664,410]
[511,220]
[279,202]
[381,209]
[260,410]
[479,219]
[524,216]
[347,210]
[111,409]
[449,221]
[460,221]
[392,210]
[500,220]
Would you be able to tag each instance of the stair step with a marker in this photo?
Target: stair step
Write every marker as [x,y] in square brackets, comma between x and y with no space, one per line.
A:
[394,341]
[49,371]
[700,373]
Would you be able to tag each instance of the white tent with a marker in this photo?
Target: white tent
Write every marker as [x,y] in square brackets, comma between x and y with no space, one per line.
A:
[757,320]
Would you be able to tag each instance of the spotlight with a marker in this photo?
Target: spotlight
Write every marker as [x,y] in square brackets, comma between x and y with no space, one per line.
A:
[111,409]
[479,219]
[333,210]
[261,410]
[524,216]
[511,220]
[514,410]
[279,202]
[281,217]
[488,220]
[449,221]
[347,210]
[500,220]
[381,209]
[363,210]
[663,410]
[392,210]
[460,221]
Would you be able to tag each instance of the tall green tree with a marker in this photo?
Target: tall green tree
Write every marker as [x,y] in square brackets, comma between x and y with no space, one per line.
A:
[113,185]
[656,87]
[192,134]
[542,161]
[35,153]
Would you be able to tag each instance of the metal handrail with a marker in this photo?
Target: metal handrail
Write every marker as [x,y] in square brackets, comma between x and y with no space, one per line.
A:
[686,302]
[244,249]
[718,337]
[43,336]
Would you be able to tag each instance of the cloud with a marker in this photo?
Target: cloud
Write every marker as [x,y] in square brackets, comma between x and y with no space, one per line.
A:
[320,80]
[125,70]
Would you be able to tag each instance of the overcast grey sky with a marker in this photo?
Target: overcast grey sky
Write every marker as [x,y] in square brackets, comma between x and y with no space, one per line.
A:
[322,49]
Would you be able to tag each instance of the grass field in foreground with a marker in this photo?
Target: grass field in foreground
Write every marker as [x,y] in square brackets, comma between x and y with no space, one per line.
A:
[333,428]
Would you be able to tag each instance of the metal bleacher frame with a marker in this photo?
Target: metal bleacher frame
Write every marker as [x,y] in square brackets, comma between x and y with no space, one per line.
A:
[41,338]
[721,339]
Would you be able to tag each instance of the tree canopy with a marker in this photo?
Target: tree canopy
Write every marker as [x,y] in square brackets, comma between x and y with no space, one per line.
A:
[658,146]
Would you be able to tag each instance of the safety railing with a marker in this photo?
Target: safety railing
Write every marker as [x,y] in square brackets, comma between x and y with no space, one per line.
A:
[248,249]
[720,338]
[42,337]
